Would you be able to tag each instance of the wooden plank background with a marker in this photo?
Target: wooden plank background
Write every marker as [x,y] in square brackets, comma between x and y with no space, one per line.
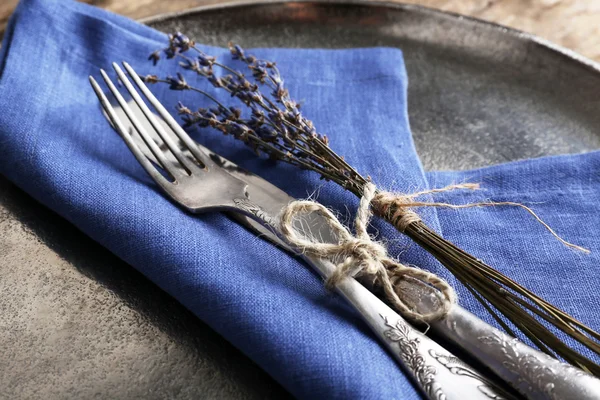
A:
[574,24]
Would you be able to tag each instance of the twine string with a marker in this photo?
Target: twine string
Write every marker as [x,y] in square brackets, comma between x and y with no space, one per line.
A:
[397,208]
[360,255]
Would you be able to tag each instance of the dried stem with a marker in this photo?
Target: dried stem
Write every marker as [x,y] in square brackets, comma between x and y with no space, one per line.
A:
[277,128]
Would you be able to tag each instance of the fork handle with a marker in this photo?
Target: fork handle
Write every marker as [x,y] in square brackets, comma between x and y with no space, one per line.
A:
[439,374]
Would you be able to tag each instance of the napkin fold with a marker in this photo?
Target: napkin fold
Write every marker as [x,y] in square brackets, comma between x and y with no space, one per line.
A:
[57,146]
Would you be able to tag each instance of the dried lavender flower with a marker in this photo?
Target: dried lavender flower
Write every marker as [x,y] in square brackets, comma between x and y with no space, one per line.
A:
[275,127]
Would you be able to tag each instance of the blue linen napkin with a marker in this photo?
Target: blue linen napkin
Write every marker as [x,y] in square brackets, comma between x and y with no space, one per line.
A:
[58,147]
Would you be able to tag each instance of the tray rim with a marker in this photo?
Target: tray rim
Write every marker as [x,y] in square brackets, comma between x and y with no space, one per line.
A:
[513,33]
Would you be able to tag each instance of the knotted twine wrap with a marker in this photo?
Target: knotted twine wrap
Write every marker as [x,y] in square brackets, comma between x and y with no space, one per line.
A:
[360,255]
[396,208]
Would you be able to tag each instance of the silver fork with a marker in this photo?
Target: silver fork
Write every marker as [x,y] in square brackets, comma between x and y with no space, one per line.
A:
[204,186]
[256,202]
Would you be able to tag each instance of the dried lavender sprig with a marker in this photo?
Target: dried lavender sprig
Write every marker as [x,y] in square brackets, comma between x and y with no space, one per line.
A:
[493,289]
[300,139]
[267,71]
[229,122]
[262,70]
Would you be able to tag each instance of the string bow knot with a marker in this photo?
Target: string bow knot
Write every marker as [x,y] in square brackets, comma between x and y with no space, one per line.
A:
[361,256]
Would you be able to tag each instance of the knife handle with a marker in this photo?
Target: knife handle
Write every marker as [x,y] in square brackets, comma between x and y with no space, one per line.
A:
[531,372]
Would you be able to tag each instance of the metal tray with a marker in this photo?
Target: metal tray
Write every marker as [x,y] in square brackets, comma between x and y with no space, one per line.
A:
[77,322]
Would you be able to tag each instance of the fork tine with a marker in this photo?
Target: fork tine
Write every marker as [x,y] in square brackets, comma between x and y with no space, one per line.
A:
[146,164]
[156,151]
[187,164]
[181,134]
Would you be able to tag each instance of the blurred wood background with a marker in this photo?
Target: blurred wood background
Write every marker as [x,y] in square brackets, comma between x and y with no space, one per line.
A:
[574,24]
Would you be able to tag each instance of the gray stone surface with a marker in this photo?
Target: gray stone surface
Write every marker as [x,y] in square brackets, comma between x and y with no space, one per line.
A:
[76,322]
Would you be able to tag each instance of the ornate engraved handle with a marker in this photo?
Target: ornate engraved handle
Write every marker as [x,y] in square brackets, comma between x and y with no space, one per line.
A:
[531,372]
[438,373]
